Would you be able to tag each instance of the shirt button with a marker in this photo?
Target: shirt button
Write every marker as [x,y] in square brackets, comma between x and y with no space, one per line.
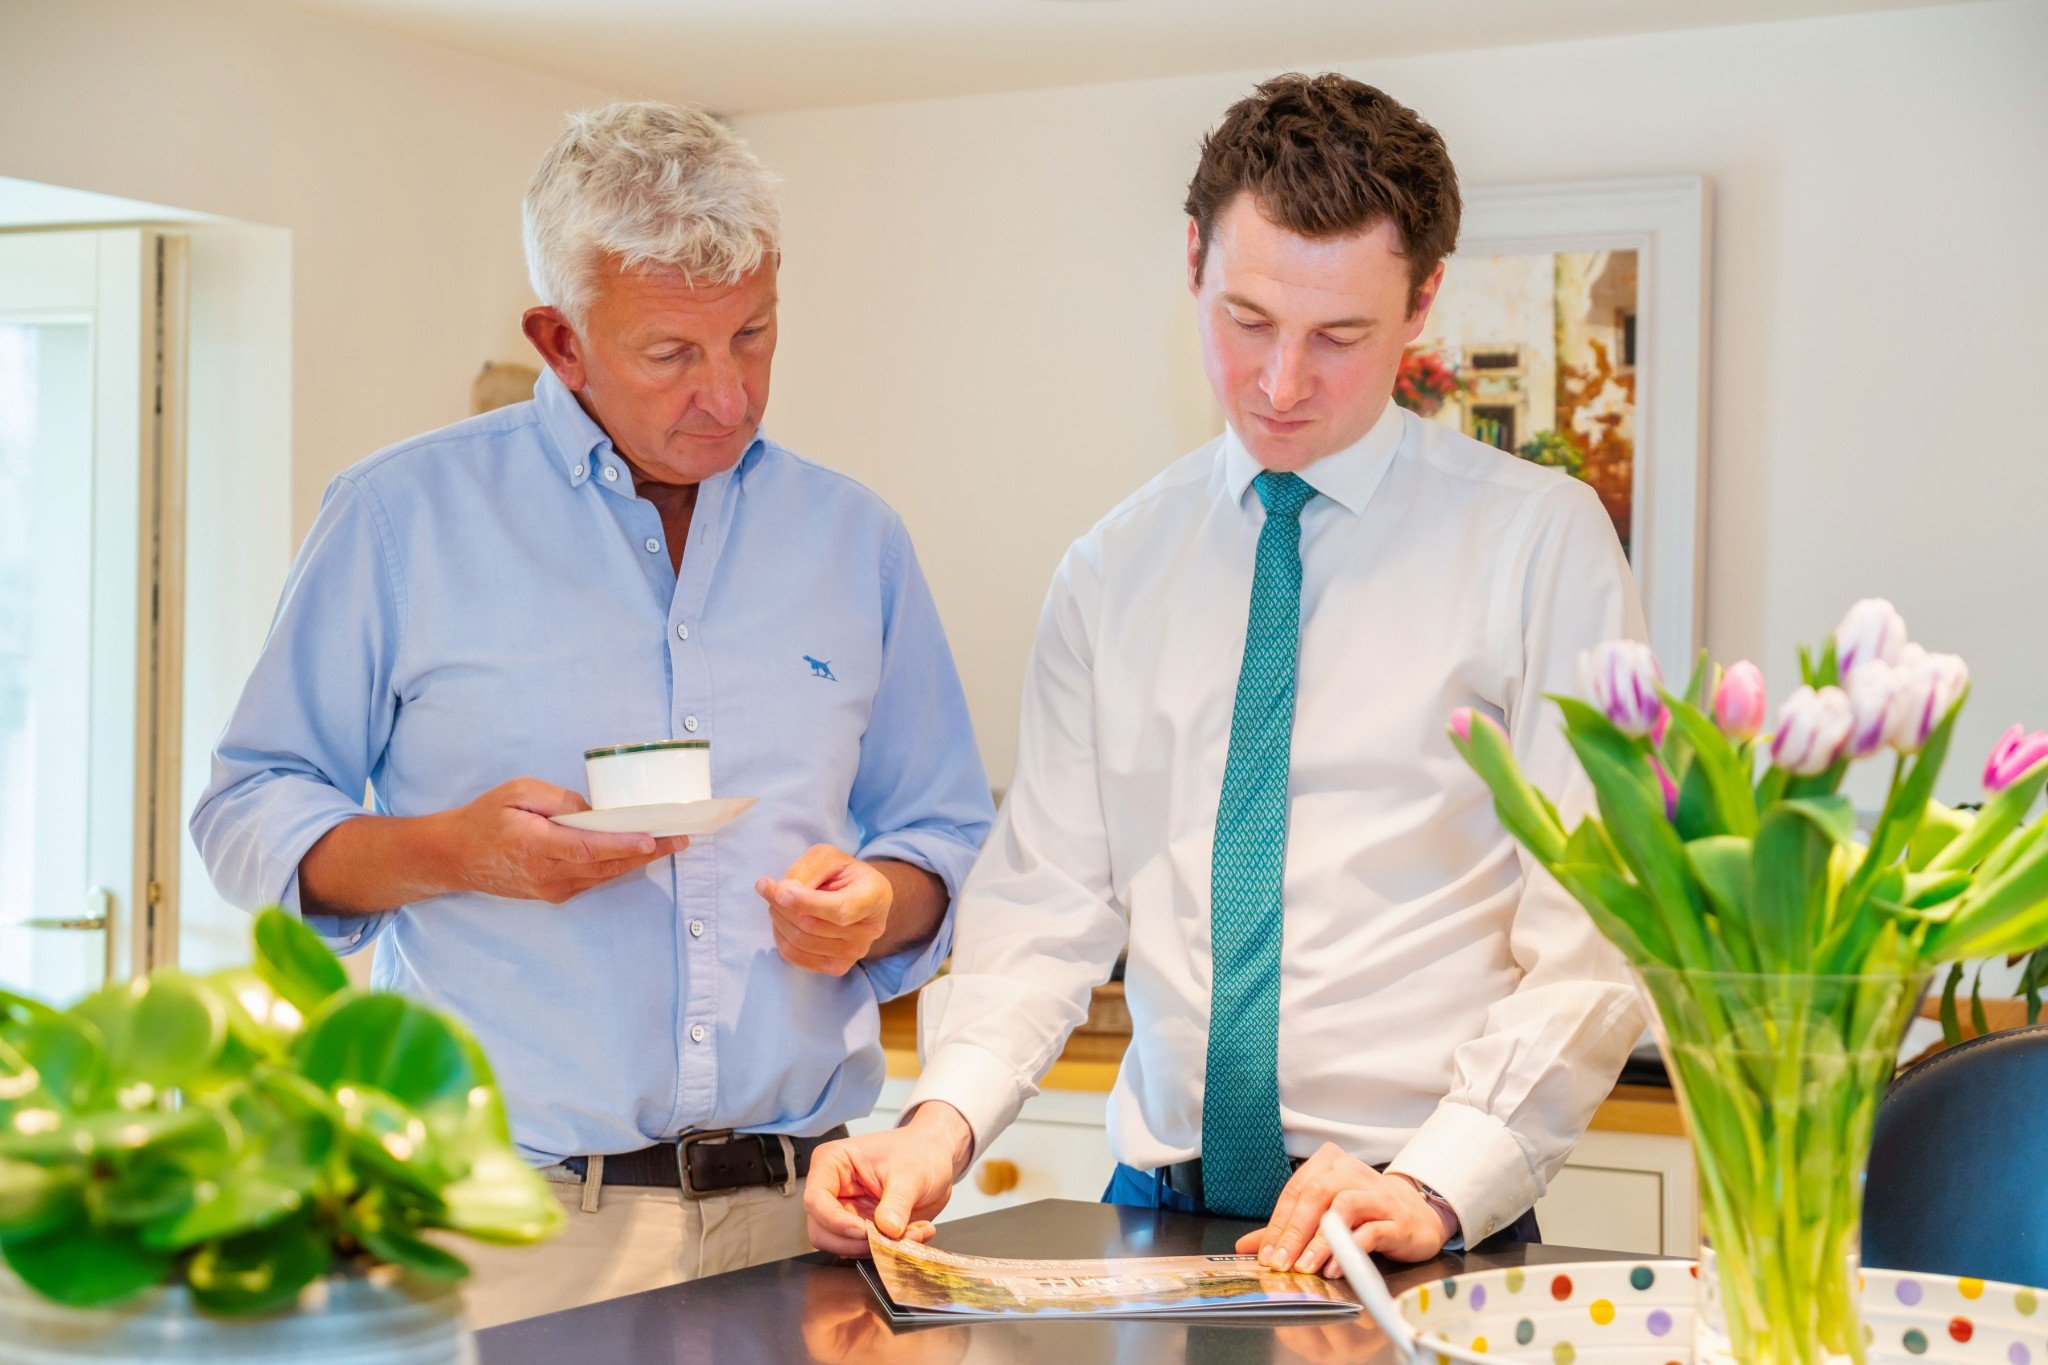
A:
[610,475]
[696,928]
[696,1033]
[653,545]
[690,724]
[579,471]
[682,631]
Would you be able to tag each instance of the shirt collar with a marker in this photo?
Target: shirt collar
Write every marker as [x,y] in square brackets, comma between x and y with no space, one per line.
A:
[581,444]
[1347,477]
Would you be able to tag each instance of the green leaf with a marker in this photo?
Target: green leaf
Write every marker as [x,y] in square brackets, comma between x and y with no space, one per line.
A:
[1722,769]
[392,1142]
[106,1134]
[241,1201]
[2000,816]
[1633,808]
[1925,890]
[293,961]
[1939,827]
[393,1045]
[85,1266]
[1620,911]
[1722,864]
[2009,913]
[1524,812]
[502,1199]
[402,1248]
[1951,1022]
[260,1272]
[34,1199]
[162,1030]
[1789,880]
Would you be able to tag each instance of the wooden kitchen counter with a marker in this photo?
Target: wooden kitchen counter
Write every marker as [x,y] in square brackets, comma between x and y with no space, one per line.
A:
[1090,1061]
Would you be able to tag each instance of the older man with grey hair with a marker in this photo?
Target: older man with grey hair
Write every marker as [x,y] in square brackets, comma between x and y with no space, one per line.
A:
[624,559]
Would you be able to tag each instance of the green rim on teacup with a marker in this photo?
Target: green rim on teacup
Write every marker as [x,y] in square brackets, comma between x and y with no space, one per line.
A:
[649,747]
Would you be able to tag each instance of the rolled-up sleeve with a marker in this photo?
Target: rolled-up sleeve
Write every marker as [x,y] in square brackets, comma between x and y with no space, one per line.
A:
[296,757]
[920,795]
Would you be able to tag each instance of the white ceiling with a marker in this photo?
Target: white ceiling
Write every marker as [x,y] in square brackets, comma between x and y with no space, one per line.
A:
[747,56]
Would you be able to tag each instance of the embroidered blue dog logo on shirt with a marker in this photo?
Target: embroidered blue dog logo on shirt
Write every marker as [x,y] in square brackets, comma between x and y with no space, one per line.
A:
[820,668]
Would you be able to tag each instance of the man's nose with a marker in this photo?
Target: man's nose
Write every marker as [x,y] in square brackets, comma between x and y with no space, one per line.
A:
[724,395]
[1285,381]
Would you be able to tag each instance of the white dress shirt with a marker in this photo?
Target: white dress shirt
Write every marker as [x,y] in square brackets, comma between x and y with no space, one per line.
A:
[1444,1005]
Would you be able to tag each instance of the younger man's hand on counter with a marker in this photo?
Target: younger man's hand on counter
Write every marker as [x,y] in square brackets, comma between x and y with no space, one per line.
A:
[898,1180]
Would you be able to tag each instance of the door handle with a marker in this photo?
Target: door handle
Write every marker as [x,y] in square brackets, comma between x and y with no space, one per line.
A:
[99,902]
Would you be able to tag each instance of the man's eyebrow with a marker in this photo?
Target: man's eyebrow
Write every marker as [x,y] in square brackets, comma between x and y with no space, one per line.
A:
[1362,324]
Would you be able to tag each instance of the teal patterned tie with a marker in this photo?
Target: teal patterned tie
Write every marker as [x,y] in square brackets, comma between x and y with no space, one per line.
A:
[1244,1157]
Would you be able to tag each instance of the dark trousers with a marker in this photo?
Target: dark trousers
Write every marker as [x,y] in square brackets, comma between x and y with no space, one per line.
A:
[1145,1190]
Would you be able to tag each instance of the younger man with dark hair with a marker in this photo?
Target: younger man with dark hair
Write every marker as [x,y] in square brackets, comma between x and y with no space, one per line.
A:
[1349,989]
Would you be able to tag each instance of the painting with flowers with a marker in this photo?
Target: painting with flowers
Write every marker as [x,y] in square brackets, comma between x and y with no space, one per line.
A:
[1536,353]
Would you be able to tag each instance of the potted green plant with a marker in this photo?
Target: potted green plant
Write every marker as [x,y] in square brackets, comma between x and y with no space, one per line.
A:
[250,1164]
[1783,949]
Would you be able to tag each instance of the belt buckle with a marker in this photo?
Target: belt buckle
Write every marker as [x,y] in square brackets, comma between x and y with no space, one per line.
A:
[683,1146]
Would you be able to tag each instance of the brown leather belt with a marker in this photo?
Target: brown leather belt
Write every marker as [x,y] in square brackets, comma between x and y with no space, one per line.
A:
[715,1162]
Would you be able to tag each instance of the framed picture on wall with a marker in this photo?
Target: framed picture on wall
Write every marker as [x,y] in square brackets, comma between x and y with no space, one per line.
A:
[1571,331]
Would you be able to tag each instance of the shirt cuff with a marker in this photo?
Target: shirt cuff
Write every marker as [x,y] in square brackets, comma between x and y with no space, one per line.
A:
[277,859]
[901,973]
[981,1085]
[1475,1162]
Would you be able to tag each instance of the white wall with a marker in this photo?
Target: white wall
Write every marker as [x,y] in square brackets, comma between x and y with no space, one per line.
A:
[983,315]
[396,167]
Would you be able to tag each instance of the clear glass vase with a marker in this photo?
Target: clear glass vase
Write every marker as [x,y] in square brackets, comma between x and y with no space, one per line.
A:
[1779,1077]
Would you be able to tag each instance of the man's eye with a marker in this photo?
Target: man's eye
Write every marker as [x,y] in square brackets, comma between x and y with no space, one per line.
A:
[1340,341]
[665,359]
[1251,324]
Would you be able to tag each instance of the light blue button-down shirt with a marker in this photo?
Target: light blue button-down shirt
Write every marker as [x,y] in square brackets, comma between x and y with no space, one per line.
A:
[488,601]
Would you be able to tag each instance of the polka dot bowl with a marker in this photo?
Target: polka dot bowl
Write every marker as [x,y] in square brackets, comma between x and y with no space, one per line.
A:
[1622,1313]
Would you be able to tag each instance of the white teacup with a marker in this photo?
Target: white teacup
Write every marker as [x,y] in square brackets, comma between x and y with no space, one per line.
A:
[659,772]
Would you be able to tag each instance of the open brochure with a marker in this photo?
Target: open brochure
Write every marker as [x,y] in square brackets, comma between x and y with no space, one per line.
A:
[918,1283]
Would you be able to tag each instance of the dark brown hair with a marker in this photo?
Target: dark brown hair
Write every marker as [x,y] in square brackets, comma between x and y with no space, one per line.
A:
[1324,156]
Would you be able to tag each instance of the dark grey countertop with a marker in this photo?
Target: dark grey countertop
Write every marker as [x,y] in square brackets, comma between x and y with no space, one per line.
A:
[815,1308]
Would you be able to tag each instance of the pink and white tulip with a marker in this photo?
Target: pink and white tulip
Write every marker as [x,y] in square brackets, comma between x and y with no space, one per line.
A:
[1871,632]
[1927,687]
[1813,728]
[2013,757]
[1871,689]
[1739,702]
[1620,677]
[1462,718]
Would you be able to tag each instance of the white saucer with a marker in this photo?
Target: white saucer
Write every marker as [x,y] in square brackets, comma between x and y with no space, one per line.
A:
[664,819]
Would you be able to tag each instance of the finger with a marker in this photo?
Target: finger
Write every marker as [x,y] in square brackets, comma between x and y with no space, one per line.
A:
[796,956]
[564,845]
[1283,1209]
[817,865]
[811,927]
[834,1185]
[1251,1241]
[834,907]
[1300,1225]
[897,1209]
[605,869]
[542,798]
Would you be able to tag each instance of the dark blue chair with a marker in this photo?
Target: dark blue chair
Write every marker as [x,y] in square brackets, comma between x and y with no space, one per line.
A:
[1959,1163]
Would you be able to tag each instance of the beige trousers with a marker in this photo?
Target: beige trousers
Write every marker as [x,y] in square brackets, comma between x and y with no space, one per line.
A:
[638,1238]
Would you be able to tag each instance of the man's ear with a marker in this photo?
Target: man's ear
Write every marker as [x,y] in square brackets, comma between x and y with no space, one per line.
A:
[1425,297]
[1194,257]
[557,343]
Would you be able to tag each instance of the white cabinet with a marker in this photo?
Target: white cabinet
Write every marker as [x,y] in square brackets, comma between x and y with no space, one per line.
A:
[1624,1192]
[1618,1191]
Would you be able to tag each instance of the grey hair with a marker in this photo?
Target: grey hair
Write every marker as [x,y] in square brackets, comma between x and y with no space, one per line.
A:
[656,185]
